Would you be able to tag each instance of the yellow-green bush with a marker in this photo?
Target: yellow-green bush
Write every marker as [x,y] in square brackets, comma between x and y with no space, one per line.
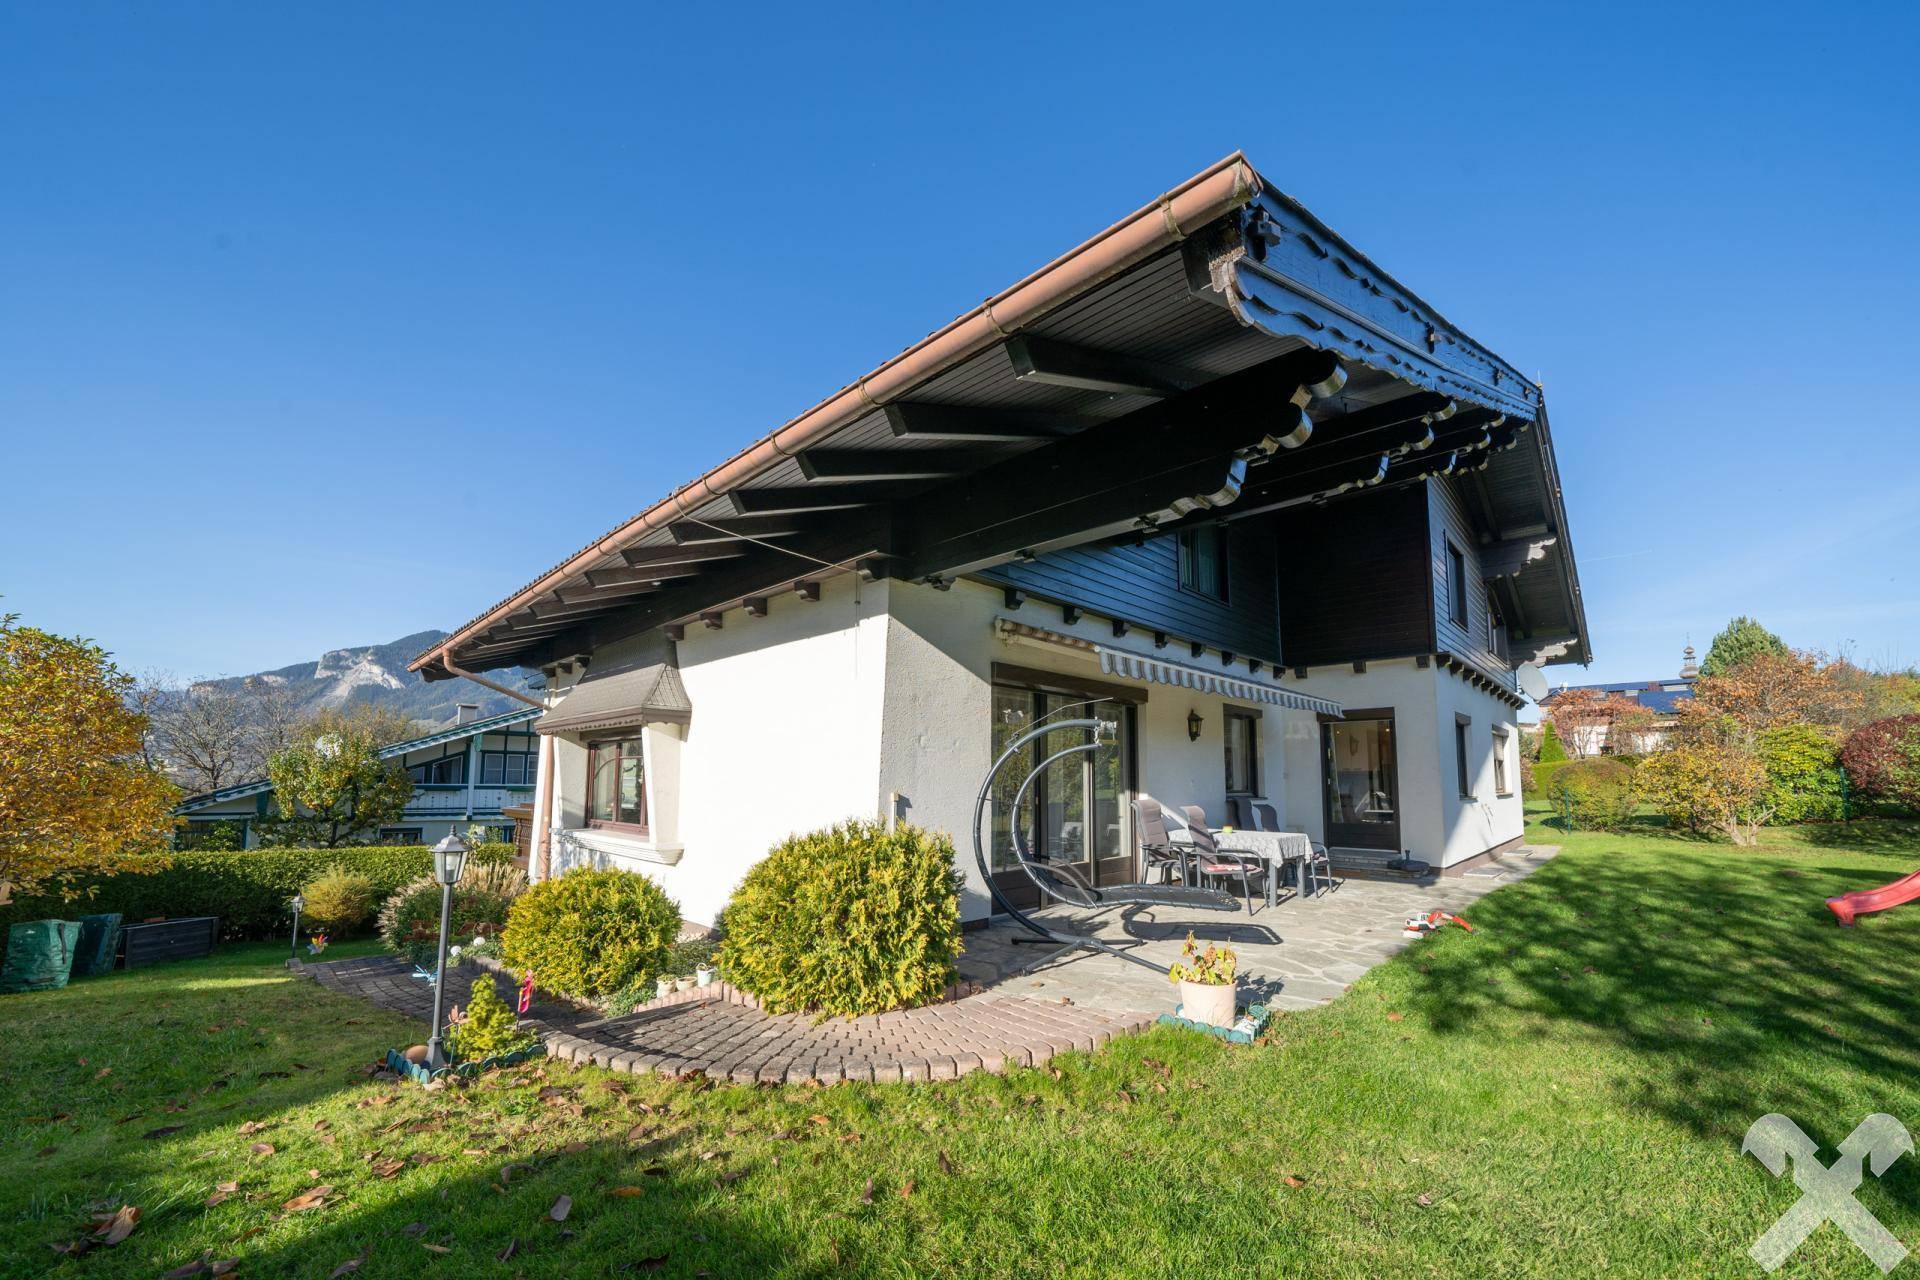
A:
[339,901]
[1707,790]
[489,1028]
[588,932]
[854,919]
[1595,794]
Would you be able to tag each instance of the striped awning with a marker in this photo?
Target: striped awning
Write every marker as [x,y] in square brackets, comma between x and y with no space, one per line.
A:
[1138,666]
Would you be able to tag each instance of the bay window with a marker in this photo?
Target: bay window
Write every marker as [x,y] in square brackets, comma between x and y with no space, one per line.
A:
[617,785]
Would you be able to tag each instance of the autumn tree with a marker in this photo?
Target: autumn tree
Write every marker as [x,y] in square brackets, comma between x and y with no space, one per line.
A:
[1766,691]
[1584,720]
[1739,640]
[77,797]
[334,788]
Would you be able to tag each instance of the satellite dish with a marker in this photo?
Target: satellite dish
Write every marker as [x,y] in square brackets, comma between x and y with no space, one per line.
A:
[1533,681]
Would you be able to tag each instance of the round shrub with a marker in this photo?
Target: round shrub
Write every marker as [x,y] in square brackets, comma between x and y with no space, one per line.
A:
[410,919]
[1882,761]
[1804,780]
[339,901]
[1594,794]
[851,920]
[489,1028]
[589,933]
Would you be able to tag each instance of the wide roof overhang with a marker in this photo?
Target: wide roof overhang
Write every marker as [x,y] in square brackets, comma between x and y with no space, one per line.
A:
[1219,353]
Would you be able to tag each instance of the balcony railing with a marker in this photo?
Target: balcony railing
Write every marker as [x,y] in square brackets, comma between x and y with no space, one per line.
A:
[451,800]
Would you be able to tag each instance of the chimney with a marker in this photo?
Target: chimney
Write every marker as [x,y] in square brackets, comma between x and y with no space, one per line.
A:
[466,713]
[1689,669]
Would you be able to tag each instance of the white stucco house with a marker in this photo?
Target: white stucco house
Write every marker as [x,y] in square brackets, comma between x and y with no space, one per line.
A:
[1212,471]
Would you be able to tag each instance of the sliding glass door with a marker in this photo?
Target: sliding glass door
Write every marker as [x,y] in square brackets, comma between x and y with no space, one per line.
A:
[1077,813]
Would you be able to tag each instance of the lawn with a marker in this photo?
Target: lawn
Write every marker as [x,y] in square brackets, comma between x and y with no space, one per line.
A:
[1561,1092]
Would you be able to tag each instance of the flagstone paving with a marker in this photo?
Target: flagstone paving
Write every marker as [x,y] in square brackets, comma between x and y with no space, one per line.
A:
[1300,953]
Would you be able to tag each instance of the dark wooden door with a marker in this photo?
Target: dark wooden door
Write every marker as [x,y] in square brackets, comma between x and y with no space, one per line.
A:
[1362,781]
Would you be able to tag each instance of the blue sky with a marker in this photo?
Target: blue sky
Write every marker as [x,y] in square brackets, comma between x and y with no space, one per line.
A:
[324,324]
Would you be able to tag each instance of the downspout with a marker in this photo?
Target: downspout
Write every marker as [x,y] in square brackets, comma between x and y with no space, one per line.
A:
[543,800]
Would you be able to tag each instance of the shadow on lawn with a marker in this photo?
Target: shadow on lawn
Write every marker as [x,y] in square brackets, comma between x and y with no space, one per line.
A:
[1725,975]
[633,1212]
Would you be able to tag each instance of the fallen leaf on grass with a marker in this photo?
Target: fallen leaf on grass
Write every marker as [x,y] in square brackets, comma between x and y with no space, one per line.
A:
[163,1131]
[388,1167]
[44,1152]
[628,1192]
[946,1163]
[119,1225]
[261,1148]
[1293,1180]
[906,1189]
[1055,1072]
[866,1196]
[1424,1199]
[513,1247]
[437,1248]
[561,1208]
[818,1120]
[1394,1016]
[221,1192]
[732,1175]
[311,1199]
[650,1264]
[347,1268]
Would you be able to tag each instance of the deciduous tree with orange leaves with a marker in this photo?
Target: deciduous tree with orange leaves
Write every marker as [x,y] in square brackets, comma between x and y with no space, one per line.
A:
[77,797]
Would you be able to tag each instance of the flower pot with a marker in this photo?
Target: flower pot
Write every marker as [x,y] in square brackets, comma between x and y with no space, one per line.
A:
[1211,1003]
[683,984]
[704,975]
[662,988]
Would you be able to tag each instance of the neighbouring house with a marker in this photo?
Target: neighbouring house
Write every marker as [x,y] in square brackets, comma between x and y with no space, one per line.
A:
[1213,471]
[468,773]
[1662,698]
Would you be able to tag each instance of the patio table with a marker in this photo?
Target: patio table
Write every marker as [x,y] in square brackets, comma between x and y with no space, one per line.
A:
[1275,848]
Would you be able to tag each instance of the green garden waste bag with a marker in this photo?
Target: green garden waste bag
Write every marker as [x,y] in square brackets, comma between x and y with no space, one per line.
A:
[99,942]
[39,955]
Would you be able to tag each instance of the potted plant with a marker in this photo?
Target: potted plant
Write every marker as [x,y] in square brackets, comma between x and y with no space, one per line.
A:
[1207,991]
[662,988]
[703,975]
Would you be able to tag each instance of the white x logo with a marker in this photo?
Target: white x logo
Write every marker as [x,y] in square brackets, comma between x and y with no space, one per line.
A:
[1826,1194]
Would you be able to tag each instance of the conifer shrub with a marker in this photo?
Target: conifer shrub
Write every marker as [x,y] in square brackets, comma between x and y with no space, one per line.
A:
[489,1027]
[338,901]
[850,920]
[590,933]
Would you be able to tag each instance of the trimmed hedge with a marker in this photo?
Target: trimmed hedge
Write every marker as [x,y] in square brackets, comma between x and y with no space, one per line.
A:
[247,889]
[590,932]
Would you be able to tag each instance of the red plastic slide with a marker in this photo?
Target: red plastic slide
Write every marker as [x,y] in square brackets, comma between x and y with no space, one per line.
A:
[1848,905]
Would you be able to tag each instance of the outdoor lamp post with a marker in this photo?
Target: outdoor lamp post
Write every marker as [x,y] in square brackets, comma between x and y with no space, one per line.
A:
[449,860]
[297,903]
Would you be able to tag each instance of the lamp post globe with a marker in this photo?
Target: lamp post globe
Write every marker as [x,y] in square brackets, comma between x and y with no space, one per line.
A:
[449,860]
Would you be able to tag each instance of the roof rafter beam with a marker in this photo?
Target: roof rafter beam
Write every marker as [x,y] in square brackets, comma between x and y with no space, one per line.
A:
[733,530]
[885,464]
[668,557]
[968,424]
[1064,364]
[648,575]
[837,497]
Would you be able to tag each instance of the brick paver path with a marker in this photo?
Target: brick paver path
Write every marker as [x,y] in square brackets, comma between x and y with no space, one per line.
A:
[720,1033]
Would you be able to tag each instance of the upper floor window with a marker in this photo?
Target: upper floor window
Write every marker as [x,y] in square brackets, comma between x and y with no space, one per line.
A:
[444,771]
[507,768]
[1203,560]
[1496,629]
[1500,784]
[1243,752]
[616,785]
[1456,585]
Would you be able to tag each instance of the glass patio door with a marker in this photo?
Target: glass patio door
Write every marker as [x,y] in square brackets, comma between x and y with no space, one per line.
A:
[1362,777]
[1077,813]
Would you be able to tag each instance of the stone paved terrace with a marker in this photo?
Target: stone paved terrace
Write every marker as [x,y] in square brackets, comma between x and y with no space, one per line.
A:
[1297,954]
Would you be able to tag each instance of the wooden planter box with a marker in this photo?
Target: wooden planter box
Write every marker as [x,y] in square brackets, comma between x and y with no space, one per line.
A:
[162,940]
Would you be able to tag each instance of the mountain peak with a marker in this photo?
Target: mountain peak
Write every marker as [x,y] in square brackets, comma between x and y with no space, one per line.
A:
[377,673]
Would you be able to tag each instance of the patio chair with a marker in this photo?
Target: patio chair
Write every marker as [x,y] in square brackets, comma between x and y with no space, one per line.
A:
[1213,862]
[1156,846]
[1319,864]
[1265,817]
[1058,882]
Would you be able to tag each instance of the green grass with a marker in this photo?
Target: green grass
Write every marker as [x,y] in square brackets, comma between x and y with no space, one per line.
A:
[1561,1092]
